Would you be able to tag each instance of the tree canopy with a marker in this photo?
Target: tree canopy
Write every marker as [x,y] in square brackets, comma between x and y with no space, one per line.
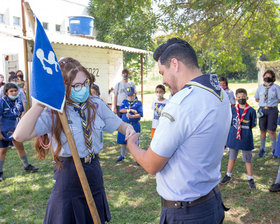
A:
[228,35]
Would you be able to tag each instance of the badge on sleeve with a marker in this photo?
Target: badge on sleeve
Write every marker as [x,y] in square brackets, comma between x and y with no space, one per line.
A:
[168,116]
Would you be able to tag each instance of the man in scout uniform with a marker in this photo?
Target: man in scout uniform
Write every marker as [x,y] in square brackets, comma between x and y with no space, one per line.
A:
[188,145]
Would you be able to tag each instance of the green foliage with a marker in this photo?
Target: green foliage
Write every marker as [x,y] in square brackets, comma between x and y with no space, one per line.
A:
[227,33]
[128,23]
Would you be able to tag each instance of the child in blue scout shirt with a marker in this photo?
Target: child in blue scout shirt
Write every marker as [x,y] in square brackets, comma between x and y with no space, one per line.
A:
[11,108]
[132,112]
[241,137]
[276,154]
[157,107]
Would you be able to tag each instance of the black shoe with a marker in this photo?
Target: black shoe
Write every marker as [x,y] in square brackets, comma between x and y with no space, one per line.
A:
[121,158]
[261,153]
[252,184]
[226,179]
[31,169]
[1,176]
[274,187]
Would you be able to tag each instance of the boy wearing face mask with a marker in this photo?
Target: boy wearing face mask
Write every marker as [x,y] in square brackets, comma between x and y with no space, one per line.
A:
[241,137]
[11,109]
[268,97]
[157,107]
[132,111]
[120,92]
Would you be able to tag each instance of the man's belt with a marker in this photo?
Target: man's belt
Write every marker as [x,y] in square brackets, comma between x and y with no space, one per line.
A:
[182,204]
[266,108]
[86,159]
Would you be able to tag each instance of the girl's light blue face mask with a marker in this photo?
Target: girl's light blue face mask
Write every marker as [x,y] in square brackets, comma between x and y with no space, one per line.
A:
[80,96]
[13,97]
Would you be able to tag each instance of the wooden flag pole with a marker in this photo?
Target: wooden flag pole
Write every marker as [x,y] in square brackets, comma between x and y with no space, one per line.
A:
[71,142]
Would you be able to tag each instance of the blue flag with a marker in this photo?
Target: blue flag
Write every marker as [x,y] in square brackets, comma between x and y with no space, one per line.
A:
[47,86]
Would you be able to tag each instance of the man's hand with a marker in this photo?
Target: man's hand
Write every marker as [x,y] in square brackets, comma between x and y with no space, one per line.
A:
[115,110]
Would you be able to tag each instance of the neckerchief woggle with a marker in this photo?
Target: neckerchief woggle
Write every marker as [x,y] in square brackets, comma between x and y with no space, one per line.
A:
[209,83]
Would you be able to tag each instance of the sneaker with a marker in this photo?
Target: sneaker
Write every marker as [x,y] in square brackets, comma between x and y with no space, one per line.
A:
[226,179]
[252,184]
[1,176]
[121,158]
[274,187]
[31,169]
[261,153]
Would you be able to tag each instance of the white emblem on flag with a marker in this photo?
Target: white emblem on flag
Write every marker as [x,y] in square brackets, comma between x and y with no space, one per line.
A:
[51,60]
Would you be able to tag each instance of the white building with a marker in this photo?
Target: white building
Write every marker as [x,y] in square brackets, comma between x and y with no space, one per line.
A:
[104,60]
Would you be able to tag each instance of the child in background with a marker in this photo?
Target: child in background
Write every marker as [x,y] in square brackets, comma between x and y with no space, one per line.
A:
[241,137]
[157,107]
[111,97]
[11,108]
[132,111]
[224,85]
[94,90]
[20,81]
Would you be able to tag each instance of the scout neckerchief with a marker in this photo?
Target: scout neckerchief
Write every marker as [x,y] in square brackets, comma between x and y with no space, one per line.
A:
[240,119]
[14,112]
[80,108]
[209,83]
[266,92]
[130,103]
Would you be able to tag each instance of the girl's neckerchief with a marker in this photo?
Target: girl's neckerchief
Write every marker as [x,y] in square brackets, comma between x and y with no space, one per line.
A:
[209,83]
[130,103]
[12,106]
[240,119]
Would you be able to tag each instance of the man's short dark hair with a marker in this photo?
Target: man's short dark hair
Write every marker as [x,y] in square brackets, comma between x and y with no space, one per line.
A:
[125,71]
[8,86]
[241,90]
[176,48]
[160,87]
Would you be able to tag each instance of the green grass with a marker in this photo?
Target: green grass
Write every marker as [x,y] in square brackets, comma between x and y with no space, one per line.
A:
[131,191]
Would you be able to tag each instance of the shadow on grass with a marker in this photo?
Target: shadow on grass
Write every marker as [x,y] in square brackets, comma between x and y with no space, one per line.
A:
[131,191]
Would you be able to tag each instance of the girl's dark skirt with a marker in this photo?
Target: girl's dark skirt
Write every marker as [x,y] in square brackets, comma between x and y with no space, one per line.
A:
[67,202]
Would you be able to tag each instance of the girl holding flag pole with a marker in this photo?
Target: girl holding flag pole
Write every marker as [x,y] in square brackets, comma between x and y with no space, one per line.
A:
[87,117]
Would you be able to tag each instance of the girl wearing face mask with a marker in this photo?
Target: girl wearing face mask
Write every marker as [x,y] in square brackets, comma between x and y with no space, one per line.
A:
[224,86]
[11,109]
[87,117]
[157,107]
[268,97]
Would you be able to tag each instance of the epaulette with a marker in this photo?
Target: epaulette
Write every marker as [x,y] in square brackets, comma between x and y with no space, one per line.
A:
[179,96]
